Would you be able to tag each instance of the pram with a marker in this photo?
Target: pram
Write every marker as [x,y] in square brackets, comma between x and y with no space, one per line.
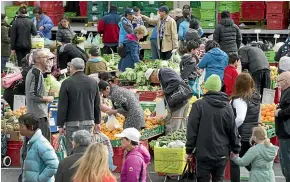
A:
[6,160]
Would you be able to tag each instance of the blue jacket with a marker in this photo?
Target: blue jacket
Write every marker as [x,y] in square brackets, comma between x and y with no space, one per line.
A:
[132,53]
[183,28]
[154,33]
[214,61]
[126,28]
[47,23]
[41,162]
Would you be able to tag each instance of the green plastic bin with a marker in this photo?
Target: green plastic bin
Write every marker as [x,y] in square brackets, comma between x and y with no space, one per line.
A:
[149,105]
[207,14]
[207,24]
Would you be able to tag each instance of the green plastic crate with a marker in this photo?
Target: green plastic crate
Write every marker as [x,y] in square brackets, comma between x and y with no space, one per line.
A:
[231,9]
[196,12]
[70,14]
[95,17]
[149,105]
[195,4]
[271,133]
[98,7]
[11,9]
[207,24]
[270,56]
[207,5]
[207,14]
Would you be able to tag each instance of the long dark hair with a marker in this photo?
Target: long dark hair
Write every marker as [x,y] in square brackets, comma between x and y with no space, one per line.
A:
[244,87]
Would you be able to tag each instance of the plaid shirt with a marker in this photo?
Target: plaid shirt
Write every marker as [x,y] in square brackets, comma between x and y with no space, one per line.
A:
[162,26]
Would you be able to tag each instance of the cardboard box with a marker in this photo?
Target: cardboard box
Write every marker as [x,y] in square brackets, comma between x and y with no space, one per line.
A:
[13,136]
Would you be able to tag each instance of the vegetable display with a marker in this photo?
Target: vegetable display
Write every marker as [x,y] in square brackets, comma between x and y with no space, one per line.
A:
[112,61]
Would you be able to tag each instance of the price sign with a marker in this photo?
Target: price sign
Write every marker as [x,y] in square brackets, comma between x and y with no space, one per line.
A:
[9,65]
[19,101]
[268,96]
[51,122]
[257,30]
[276,36]
[84,31]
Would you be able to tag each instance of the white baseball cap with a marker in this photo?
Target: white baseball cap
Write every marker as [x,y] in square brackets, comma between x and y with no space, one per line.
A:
[131,133]
[148,73]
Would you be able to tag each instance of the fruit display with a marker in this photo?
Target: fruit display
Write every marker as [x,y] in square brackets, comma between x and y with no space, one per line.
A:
[10,120]
[111,134]
[266,126]
[268,112]
[274,73]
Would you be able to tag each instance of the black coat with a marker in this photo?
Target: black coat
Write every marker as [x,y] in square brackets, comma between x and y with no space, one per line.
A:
[253,59]
[283,116]
[68,52]
[79,100]
[22,29]
[188,67]
[211,128]
[252,117]
[228,35]
[65,172]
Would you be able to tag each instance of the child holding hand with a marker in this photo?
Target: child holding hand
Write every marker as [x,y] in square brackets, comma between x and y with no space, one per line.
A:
[261,157]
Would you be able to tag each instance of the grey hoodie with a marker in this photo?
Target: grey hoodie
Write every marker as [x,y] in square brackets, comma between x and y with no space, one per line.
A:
[188,67]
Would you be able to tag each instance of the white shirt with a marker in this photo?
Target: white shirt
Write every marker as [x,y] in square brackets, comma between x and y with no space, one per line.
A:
[241,111]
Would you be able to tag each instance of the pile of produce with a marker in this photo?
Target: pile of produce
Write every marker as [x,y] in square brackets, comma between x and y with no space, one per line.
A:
[147,88]
[191,101]
[274,73]
[10,119]
[137,74]
[176,138]
[268,112]
[112,61]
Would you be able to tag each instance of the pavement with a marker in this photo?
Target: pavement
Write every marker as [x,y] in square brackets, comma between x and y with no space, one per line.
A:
[11,174]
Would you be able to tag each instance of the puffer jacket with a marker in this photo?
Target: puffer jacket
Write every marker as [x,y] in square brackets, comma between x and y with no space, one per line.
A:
[41,162]
[284,50]
[136,161]
[215,62]
[5,39]
[252,117]
[64,35]
[188,67]
[228,35]
[132,49]
[46,22]
[192,35]
[22,29]
[253,59]
[127,104]
[126,27]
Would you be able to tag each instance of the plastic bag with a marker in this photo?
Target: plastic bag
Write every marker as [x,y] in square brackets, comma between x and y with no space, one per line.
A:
[175,57]
[61,148]
[88,42]
[160,108]
[196,88]
[112,123]
[97,41]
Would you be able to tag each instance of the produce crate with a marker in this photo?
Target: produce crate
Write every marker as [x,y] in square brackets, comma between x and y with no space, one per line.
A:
[273,84]
[147,95]
[149,105]
[270,56]
[13,151]
[95,17]
[207,14]
[196,12]
[253,13]
[232,7]
[98,7]
[116,143]
[277,22]
[118,158]
[150,133]
[169,160]
[271,133]
[10,11]
[83,9]
[70,14]
[195,4]
[278,7]
[207,24]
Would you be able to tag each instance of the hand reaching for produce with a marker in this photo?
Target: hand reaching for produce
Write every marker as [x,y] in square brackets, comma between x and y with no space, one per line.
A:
[277,112]
[112,111]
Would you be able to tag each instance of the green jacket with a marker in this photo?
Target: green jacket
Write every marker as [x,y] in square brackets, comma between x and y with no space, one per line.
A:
[5,39]
[261,158]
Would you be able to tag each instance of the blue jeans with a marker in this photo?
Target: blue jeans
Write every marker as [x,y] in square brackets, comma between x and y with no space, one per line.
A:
[4,60]
[154,49]
[284,156]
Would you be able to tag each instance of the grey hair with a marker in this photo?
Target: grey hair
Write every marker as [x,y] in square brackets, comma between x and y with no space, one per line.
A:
[35,53]
[78,64]
[82,138]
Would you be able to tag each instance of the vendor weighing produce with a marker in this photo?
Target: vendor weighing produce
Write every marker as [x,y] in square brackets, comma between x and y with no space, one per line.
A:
[124,102]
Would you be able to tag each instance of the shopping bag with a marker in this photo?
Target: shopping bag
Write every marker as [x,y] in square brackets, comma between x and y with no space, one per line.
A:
[179,95]
[196,87]
[160,108]
[188,174]
[10,78]
[37,42]
[175,57]
[97,41]
[112,123]
[88,42]
[61,148]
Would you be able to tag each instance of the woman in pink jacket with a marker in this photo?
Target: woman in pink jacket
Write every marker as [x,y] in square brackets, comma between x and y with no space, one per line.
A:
[137,157]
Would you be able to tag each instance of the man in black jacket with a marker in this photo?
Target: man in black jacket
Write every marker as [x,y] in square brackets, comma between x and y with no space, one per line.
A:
[212,132]
[79,103]
[254,59]
[66,170]
[282,123]
[22,29]
[228,34]
[170,81]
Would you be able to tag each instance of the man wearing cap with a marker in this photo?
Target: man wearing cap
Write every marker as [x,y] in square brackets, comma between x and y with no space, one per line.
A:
[79,103]
[167,37]
[212,132]
[169,80]
[137,158]
[108,26]
[126,26]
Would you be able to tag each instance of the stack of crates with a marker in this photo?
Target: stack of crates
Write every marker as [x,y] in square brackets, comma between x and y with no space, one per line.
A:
[96,10]
[53,9]
[253,11]
[10,12]
[233,7]
[83,8]
[277,15]
[205,11]
[147,7]
[122,5]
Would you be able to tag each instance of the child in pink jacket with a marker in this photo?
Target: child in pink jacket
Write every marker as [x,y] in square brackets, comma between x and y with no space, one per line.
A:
[137,158]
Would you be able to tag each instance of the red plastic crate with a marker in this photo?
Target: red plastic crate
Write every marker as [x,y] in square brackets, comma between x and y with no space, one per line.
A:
[83,10]
[253,13]
[147,95]
[278,7]
[47,6]
[118,150]
[13,151]
[83,3]
[277,22]
[118,158]
[260,4]
[234,16]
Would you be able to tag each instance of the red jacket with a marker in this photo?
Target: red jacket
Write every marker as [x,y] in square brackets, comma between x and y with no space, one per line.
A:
[230,75]
[108,26]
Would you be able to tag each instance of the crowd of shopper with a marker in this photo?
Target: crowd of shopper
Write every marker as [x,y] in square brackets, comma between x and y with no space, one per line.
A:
[227,116]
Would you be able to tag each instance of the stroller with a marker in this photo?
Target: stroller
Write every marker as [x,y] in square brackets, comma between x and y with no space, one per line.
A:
[6,160]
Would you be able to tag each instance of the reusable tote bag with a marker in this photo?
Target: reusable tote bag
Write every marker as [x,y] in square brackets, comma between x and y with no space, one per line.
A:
[61,148]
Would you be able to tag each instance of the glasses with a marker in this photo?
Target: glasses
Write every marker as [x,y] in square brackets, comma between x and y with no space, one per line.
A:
[280,80]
